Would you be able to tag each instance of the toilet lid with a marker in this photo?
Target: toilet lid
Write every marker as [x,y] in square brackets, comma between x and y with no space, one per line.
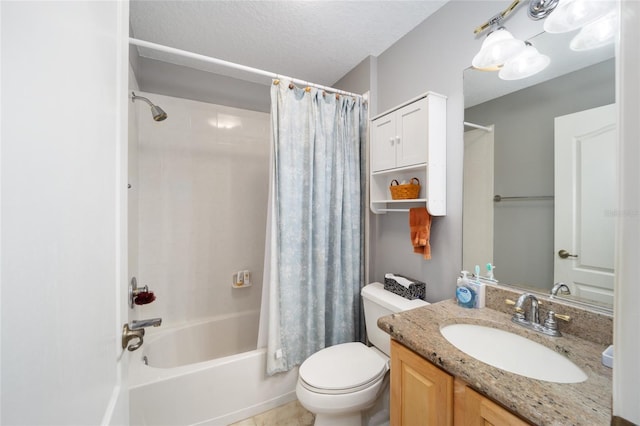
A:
[342,367]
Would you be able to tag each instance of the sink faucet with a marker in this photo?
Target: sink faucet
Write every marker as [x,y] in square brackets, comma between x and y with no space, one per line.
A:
[560,287]
[153,322]
[534,317]
[549,327]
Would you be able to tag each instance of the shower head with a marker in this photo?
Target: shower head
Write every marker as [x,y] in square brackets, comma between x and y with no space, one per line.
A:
[157,112]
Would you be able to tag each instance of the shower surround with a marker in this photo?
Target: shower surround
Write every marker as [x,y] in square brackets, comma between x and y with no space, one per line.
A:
[202,186]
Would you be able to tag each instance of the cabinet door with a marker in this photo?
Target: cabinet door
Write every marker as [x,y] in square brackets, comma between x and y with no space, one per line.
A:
[383,143]
[413,128]
[473,409]
[421,393]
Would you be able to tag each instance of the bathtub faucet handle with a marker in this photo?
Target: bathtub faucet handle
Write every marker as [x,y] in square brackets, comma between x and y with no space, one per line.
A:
[129,334]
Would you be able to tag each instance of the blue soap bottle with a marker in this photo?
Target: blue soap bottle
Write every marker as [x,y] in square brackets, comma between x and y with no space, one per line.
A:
[465,294]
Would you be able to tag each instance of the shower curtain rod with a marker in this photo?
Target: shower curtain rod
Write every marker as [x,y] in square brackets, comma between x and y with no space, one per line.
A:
[203,58]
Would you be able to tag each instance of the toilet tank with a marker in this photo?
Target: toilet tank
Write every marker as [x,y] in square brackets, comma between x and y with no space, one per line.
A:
[379,302]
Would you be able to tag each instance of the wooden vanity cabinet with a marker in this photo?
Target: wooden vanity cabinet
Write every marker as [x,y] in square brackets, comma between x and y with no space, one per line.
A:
[424,395]
[421,393]
[472,409]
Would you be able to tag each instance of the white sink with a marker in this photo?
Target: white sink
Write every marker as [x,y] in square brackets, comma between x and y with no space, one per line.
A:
[512,353]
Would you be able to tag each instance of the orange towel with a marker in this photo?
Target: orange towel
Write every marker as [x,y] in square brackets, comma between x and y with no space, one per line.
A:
[420,226]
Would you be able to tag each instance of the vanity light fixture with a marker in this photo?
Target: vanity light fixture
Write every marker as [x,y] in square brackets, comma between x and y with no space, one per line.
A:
[497,48]
[500,45]
[573,14]
[524,65]
[540,9]
[516,59]
[596,34]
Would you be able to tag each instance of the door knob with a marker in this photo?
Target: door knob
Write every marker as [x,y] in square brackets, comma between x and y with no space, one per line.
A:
[564,254]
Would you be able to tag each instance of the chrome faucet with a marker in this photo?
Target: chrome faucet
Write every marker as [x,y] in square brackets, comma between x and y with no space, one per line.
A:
[152,322]
[549,327]
[560,287]
[534,317]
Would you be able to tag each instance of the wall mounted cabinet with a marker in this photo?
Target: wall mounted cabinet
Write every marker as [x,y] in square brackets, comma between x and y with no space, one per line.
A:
[410,141]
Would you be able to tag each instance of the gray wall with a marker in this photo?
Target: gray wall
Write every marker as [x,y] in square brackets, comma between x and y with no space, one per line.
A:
[432,57]
[423,61]
[361,79]
[524,165]
[358,80]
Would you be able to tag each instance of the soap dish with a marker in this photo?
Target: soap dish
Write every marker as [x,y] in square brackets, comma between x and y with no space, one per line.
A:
[607,357]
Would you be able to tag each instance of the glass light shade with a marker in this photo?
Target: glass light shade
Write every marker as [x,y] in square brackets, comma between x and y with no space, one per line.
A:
[570,15]
[497,48]
[596,34]
[526,64]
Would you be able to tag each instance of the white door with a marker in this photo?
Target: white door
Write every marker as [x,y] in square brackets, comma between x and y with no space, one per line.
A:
[63,208]
[585,202]
[477,217]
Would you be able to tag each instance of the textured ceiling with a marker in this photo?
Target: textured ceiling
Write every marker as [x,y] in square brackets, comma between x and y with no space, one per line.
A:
[317,41]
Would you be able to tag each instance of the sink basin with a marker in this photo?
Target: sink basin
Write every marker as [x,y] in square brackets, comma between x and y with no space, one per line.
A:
[512,353]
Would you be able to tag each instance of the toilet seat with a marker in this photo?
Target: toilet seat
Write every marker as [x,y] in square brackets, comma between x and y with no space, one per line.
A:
[343,368]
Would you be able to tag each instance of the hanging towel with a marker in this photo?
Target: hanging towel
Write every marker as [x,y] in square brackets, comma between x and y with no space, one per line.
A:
[420,226]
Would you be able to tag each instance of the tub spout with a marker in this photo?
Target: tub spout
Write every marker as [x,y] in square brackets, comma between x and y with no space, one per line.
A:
[153,322]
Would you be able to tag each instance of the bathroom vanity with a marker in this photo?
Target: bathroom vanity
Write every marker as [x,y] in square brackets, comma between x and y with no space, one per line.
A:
[434,383]
[423,394]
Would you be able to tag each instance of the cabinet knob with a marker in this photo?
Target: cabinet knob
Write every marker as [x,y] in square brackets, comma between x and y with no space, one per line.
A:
[397,139]
[391,141]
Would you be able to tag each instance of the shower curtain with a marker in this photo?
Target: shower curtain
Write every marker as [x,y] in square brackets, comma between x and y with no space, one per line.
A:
[314,251]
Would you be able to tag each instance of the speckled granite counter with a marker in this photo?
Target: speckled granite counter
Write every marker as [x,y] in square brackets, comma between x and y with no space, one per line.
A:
[542,403]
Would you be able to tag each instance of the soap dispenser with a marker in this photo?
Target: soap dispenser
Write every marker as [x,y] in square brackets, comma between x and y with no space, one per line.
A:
[465,294]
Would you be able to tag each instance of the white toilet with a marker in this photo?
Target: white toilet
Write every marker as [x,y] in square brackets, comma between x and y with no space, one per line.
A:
[339,382]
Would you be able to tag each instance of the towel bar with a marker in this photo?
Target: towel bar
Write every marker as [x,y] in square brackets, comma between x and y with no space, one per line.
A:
[393,210]
[498,198]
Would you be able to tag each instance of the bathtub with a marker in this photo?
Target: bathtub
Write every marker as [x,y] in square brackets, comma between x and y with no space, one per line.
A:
[204,373]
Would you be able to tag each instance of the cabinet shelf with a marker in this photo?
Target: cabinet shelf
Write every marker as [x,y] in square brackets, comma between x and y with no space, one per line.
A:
[416,167]
[382,206]
[411,200]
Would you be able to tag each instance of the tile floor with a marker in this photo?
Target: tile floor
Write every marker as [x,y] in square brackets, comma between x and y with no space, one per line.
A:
[291,414]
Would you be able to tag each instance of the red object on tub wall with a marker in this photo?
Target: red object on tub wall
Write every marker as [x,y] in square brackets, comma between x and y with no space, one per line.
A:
[144,297]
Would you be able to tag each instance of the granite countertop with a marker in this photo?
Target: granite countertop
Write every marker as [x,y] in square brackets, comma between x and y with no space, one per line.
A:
[540,402]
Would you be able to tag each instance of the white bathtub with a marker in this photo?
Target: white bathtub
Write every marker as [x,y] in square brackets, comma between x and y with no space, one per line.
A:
[196,376]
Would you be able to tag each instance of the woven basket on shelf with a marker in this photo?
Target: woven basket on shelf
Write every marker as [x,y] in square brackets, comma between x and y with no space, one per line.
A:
[406,191]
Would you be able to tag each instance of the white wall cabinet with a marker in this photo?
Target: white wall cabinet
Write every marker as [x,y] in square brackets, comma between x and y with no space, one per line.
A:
[410,141]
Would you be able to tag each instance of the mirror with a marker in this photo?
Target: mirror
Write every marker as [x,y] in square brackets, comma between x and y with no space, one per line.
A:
[514,159]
